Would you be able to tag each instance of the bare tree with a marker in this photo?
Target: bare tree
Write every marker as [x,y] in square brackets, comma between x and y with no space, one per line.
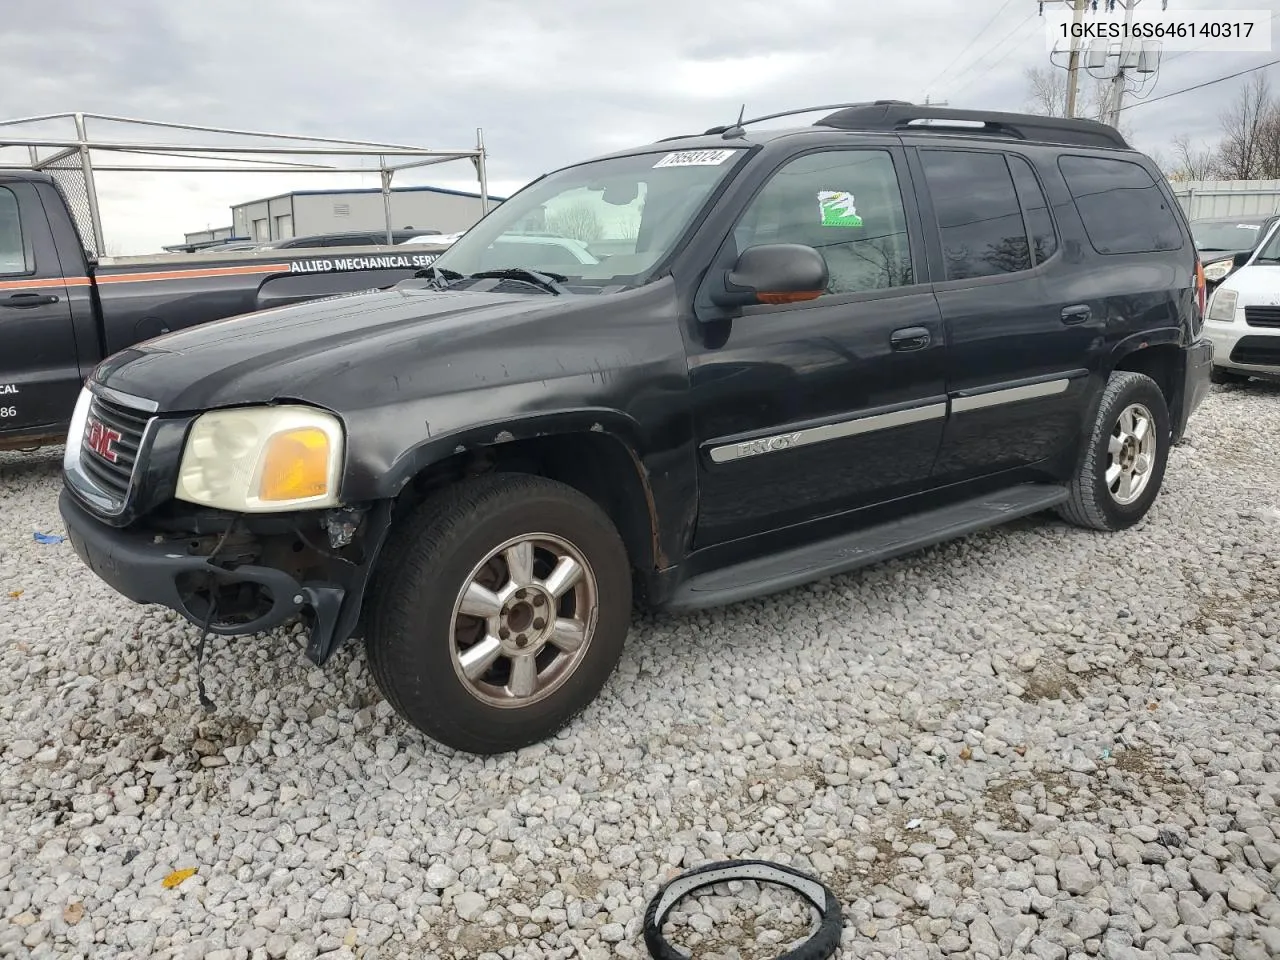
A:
[1047,96]
[1191,162]
[1269,144]
[578,222]
[1166,166]
[1245,124]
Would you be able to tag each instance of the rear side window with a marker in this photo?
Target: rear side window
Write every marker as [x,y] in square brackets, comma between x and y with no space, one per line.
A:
[1123,208]
[13,254]
[983,234]
[1044,240]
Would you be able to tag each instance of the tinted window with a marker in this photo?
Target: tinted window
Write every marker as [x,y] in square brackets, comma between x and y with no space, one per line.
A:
[1044,241]
[844,203]
[978,214]
[1123,208]
[13,256]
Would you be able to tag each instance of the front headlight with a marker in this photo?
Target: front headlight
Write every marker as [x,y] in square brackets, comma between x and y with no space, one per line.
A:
[75,431]
[1223,305]
[1218,270]
[262,459]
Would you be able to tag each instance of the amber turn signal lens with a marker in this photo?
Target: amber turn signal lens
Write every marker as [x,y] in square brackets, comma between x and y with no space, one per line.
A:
[296,465]
[794,296]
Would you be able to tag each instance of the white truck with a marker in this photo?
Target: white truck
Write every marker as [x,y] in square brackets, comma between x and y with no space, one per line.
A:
[1244,317]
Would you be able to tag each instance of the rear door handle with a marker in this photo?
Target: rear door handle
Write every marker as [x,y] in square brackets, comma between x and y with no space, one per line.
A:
[910,338]
[21,300]
[1077,313]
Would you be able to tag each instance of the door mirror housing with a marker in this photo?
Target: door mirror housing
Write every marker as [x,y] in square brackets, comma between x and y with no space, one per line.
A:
[773,273]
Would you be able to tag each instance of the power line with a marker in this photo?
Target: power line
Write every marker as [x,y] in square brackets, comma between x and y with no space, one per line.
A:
[991,50]
[1198,86]
[975,39]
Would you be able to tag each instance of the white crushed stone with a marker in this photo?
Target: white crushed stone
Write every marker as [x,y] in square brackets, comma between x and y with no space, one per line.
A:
[1080,729]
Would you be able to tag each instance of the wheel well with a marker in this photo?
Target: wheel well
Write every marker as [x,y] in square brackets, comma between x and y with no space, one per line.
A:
[596,464]
[1162,363]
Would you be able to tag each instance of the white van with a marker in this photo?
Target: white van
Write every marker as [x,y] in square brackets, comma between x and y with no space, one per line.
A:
[1243,319]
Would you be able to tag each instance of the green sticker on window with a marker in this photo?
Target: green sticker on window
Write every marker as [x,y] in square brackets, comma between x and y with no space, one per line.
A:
[837,209]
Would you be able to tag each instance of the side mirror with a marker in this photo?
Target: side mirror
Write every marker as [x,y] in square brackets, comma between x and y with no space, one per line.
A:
[773,273]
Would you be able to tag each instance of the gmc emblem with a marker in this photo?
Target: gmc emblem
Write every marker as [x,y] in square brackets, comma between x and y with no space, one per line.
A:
[100,438]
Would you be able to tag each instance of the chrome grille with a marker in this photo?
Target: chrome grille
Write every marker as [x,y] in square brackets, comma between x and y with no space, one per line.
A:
[112,437]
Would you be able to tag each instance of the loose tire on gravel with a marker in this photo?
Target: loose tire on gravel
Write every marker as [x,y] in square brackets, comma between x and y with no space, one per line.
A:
[1123,466]
[499,611]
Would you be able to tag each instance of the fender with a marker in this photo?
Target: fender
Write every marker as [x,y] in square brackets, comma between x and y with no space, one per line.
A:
[620,427]
[1141,341]
[494,433]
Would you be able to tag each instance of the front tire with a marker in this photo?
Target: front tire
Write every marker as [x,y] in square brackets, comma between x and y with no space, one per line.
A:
[1123,466]
[500,612]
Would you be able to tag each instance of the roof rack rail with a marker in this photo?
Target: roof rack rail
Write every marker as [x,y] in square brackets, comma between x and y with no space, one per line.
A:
[732,128]
[899,116]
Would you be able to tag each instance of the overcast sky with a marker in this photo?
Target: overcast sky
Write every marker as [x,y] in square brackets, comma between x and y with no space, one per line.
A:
[550,81]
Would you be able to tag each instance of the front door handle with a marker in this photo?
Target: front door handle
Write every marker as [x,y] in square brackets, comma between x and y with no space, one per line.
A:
[1077,313]
[910,338]
[21,300]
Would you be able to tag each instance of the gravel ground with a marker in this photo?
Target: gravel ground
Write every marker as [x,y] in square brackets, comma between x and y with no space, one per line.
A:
[1037,742]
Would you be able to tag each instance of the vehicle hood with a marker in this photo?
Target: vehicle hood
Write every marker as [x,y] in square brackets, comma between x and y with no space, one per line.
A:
[1256,285]
[336,350]
[1213,256]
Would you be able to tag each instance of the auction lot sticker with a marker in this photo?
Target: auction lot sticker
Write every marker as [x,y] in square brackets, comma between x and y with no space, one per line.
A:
[695,158]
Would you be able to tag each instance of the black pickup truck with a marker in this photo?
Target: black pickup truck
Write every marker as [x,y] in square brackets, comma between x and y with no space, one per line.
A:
[61,311]
[810,349]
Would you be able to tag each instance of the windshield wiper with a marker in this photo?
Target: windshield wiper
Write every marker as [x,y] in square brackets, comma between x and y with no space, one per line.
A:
[439,276]
[541,278]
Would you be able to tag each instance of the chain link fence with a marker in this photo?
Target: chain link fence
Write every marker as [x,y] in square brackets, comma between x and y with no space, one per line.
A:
[69,177]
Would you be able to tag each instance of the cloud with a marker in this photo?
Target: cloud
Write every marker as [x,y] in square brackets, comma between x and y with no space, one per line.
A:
[549,82]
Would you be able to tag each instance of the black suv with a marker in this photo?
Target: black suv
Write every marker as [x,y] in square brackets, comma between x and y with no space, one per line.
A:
[812,349]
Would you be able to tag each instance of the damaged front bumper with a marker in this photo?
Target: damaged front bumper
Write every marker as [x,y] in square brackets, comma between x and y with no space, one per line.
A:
[151,569]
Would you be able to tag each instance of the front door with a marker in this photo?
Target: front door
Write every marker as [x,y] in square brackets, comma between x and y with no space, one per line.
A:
[811,409]
[39,373]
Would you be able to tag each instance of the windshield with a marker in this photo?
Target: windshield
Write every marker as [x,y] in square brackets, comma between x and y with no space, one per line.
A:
[1271,251]
[1219,235]
[598,224]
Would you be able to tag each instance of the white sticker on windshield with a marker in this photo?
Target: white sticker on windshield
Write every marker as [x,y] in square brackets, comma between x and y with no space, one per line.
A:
[695,158]
[1248,226]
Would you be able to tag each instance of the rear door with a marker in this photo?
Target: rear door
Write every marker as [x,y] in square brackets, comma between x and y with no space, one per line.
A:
[39,373]
[806,410]
[1022,331]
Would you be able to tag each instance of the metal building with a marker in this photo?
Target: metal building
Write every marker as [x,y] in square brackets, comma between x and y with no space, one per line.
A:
[303,213]
[192,242]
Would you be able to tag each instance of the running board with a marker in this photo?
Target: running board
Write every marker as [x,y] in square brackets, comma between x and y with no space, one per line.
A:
[805,564]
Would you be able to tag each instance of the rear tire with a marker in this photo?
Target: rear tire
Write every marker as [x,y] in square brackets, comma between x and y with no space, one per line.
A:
[1123,465]
[472,639]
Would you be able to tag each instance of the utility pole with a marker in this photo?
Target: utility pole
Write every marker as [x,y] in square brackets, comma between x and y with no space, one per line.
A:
[1117,82]
[1073,66]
